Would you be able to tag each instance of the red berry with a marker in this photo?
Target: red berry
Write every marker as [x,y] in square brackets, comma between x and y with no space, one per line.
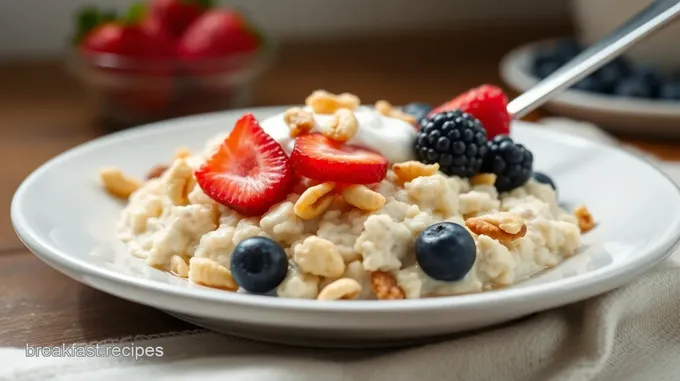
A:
[217,33]
[249,173]
[487,103]
[177,15]
[320,158]
[134,36]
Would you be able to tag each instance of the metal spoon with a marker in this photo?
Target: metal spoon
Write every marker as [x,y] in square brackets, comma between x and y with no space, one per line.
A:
[649,20]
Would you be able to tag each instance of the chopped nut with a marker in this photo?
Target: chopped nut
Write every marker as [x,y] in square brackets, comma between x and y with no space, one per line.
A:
[500,226]
[342,127]
[385,108]
[299,121]
[323,102]
[117,183]
[209,273]
[585,219]
[156,171]
[483,179]
[341,289]
[363,198]
[314,201]
[385,287]
[179,267]
[318,256]
[410,170]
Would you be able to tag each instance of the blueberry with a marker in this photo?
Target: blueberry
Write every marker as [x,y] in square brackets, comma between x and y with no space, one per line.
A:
[544,179]
[544,69]
[633,87]
[652,78]
[567,48]
[446,251]
[610,74]
[258,264]
[590,84]
[418,110]
[670,91]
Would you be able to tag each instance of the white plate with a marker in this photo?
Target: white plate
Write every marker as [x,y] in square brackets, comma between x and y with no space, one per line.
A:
[63,216]
[635,116]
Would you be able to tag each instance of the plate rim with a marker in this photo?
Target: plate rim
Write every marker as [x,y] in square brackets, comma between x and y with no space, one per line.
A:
[656,253]
[513,74]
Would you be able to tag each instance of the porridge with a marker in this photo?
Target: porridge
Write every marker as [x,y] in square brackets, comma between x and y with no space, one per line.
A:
[336,201]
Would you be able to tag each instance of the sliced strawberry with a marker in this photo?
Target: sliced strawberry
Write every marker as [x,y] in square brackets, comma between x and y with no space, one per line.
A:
[249,173]
[487,103]
[320,158]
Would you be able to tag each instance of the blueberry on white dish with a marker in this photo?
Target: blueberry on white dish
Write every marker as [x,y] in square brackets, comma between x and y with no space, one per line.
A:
[258,264]
[544,179]
[446,251]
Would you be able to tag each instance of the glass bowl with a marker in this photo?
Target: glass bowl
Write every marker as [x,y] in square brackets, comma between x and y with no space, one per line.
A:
[126,91]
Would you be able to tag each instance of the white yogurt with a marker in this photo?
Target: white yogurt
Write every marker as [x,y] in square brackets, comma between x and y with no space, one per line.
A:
[391,137]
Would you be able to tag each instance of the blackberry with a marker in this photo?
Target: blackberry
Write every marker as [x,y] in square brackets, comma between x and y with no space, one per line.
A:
[454,139]
[511,162]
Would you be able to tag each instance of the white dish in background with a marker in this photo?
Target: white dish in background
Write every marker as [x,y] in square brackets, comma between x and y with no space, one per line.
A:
[632,116]
[64,217]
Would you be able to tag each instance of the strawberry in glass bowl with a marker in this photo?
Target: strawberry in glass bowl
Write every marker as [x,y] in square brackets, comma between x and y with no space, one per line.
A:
[166,59]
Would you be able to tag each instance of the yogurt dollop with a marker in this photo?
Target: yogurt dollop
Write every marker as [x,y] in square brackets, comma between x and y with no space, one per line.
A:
[390,137]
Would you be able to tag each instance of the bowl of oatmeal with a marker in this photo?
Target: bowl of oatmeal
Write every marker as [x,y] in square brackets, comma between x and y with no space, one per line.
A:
[340,223]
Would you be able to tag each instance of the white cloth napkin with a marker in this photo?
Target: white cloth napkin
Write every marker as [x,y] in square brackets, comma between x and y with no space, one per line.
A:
[632,333]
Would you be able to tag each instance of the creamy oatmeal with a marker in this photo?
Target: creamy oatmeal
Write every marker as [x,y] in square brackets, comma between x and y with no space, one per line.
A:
[352,241]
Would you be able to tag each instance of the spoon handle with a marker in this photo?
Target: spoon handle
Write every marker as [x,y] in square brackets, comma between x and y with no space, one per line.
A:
[641,25]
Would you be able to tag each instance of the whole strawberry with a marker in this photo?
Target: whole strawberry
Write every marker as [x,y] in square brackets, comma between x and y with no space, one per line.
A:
[217,33]
[487,103]
[177,15]
[131,36]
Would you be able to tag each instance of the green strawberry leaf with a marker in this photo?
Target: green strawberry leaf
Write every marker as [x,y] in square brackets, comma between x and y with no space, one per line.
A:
[203,3]
[89,18]
[135,13]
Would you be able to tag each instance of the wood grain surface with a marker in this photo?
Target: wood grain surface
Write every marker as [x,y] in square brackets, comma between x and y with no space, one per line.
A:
[43,112]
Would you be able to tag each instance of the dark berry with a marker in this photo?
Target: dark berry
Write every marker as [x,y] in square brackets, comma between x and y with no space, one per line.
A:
[418,110]
[590,84]
[651,77]
[670,91]
[258,264]
[511,162]
[610,74]
[445,251]
[633,87]
[566,49]
[544,179]
[454,139]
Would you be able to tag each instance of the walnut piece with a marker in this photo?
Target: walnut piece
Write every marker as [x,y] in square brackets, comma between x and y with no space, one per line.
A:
[342,127]
[299,121]
[323,102]
[499,226]
[156,171]
[586,222]
[385,287]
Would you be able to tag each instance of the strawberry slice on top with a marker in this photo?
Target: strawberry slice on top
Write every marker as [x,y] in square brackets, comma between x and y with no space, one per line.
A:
[320,158]
[488,103]
[249,172]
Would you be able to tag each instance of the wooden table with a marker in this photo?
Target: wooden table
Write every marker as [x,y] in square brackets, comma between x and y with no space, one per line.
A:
[43,112]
